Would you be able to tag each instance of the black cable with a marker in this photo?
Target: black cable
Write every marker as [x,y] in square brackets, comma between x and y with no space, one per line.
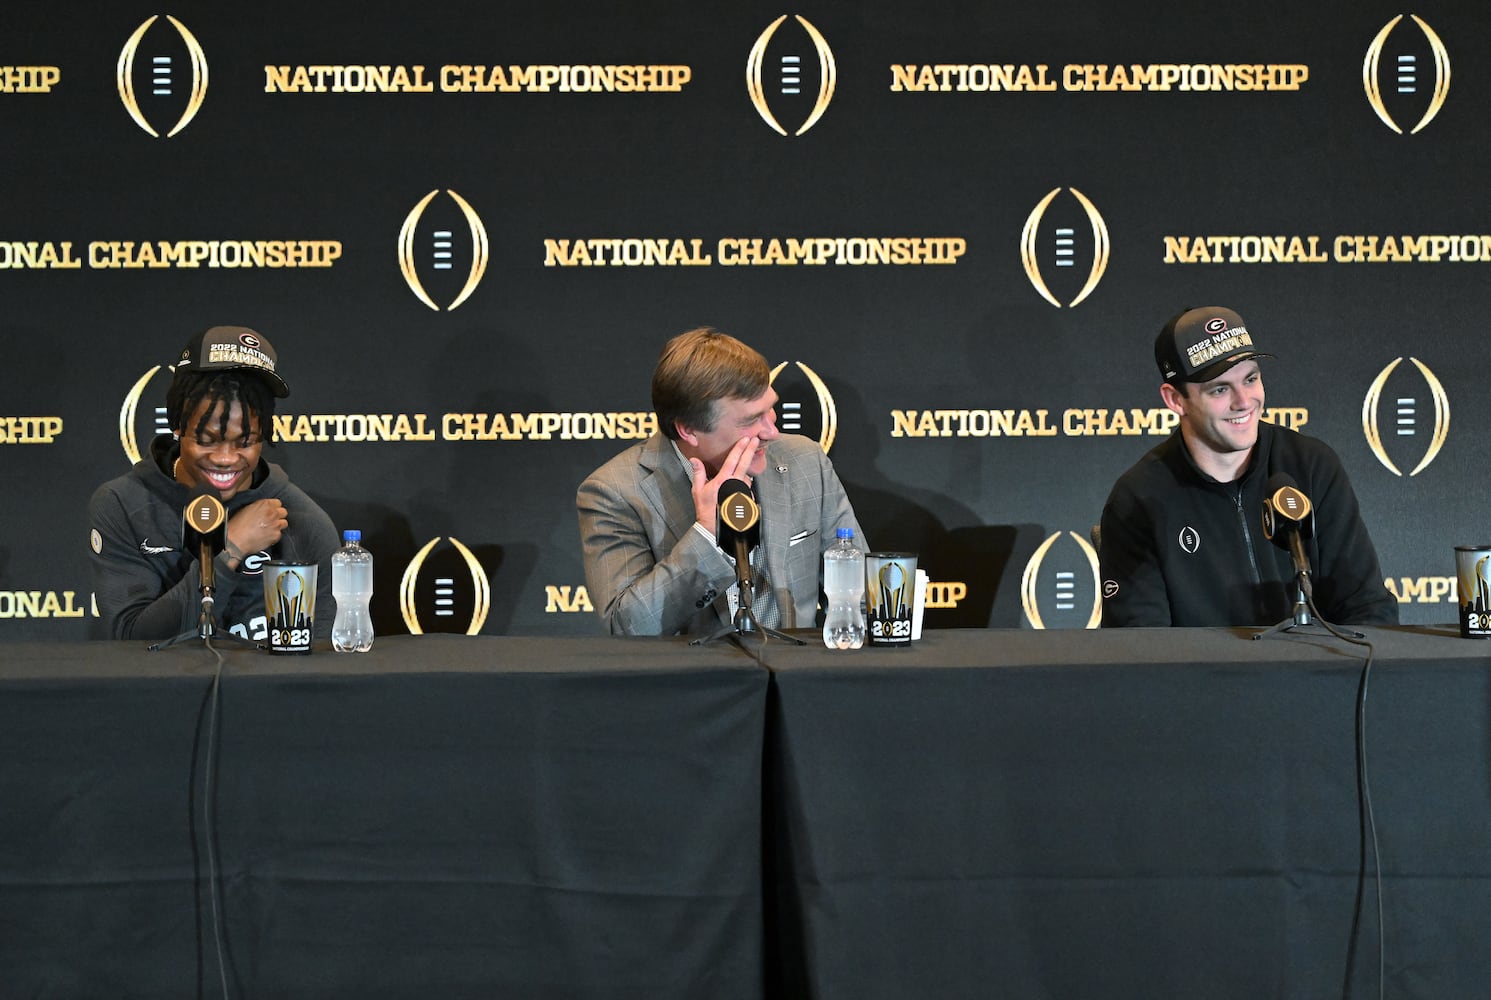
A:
[209,815]
[751,625]
[1364,786]
[760,651]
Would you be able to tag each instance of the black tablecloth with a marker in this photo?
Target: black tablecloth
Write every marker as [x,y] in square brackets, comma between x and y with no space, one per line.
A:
[440,817]
[1137,813]
[1167,813]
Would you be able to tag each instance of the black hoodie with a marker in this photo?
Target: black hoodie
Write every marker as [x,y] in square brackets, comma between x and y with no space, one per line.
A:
[148,587]
[1180,548]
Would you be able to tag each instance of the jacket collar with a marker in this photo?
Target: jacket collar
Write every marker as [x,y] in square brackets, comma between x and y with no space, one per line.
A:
[1181,460]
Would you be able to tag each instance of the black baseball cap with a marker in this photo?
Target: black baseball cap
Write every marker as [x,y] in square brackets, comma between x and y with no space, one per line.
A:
[230,348]
[1200,344]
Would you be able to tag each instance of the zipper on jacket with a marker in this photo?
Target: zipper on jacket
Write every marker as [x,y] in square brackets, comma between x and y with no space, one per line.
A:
[1242,522]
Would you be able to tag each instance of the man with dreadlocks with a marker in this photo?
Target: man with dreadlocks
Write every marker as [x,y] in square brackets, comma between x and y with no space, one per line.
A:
[220,406]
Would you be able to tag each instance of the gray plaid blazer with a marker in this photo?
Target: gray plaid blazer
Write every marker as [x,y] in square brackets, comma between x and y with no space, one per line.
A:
[649,572]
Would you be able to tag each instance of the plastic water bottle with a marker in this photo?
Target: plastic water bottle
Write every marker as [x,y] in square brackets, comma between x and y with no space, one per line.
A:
[352,586]
[844,585]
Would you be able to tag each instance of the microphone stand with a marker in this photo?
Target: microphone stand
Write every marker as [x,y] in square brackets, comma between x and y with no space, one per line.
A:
[206,629]
[745,623]
[740,518]
[1304,599]
[1300,618]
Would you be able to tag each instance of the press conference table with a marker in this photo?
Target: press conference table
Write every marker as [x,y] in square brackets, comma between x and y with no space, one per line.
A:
[1168,813]
[1129,813]
[439,817]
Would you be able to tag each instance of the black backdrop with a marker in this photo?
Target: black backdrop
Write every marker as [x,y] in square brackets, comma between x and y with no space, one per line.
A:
[960,396]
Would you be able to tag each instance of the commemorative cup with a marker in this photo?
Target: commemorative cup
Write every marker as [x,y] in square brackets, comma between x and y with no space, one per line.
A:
[1473,575]
[890,590]
[290,605]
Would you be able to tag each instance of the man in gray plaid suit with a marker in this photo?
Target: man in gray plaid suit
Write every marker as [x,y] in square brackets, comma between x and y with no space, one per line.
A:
[648,516]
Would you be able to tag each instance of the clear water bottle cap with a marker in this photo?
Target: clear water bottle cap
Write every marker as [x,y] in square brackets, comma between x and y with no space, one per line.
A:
[844,533]
[351,535]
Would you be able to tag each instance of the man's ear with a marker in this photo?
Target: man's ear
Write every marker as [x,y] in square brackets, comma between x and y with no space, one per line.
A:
[686,434]
[1174,398]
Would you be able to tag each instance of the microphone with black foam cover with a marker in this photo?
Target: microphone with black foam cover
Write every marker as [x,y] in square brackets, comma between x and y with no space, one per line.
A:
[740,517]
[739,531]
[1288,518]
[204,533]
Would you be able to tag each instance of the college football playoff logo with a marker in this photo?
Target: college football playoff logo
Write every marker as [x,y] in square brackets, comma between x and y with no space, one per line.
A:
[129,426]
[804,404]
[432,591]
[1414,58]
[775,79]
[429,246]
[1063,588]
[165,76]
[1420,417]
[1189,540]
[1062,255]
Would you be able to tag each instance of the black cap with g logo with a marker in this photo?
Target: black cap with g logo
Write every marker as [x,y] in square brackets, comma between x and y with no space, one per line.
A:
[1199,344]
[225,348]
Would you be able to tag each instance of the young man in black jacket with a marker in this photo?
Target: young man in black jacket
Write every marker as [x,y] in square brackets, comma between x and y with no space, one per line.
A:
[221,408]
[1182,538]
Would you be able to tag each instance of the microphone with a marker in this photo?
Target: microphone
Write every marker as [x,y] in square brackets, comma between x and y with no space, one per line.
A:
[204,533]
[740,527]
[1288,517]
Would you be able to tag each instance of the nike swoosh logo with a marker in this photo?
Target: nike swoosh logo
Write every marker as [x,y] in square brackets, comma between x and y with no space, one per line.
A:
[153,550]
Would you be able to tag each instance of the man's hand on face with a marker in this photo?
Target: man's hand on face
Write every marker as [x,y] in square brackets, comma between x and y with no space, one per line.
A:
[737,465]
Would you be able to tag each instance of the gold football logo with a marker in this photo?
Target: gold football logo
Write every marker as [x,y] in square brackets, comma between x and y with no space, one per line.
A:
[479,250]
[1100,249]
[1407,417]
[481,589]
[1371,76]
[127,412]
[125,74]
[1066,588]
[827,75]
[828,413]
